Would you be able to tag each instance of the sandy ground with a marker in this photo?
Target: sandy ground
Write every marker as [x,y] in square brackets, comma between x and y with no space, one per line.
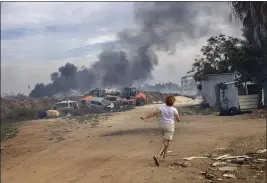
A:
[119,148]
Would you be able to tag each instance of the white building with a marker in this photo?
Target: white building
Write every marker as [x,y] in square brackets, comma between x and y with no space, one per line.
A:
[214,98]
[188,85]
[213,95]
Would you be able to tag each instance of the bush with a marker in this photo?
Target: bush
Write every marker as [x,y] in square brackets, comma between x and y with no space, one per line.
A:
[21,114]
[13,111]
[20,110]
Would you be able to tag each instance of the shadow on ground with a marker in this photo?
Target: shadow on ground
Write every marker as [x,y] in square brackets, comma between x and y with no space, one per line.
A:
[136,131]
[146,131]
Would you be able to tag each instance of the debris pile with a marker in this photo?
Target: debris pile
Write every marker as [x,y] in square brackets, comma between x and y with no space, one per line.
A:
[177,164]
[70,93]
[97,110]
[255,114]
[19,109]
[210,176]
[226,166]
[238,160]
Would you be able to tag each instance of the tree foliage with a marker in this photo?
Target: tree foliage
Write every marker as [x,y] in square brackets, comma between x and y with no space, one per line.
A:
[248,57]
[217,56]
[253,15]
[224,54]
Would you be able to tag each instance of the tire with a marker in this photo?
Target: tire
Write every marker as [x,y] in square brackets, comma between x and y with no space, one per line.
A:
[140,102]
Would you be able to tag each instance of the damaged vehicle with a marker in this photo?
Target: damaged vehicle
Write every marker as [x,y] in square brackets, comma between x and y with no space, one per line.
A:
[66,107]
[113,99]
[100,103]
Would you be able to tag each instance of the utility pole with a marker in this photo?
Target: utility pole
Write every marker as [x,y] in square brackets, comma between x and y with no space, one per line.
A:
[182,85]
[169,87]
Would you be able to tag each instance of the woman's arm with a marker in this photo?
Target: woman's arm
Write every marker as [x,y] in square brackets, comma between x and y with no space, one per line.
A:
[177,117]
[151,115]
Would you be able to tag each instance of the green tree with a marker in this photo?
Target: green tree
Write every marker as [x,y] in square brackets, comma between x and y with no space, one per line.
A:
[217,56]
[227,54]
[253,15]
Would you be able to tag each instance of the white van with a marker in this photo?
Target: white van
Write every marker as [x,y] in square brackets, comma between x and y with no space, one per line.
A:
[66,106]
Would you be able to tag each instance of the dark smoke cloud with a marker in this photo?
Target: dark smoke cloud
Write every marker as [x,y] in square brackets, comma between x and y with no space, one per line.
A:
[54,76]
[161,25]
[69,70]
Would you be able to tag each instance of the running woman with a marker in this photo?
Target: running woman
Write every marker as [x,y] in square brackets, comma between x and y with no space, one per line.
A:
[166,125]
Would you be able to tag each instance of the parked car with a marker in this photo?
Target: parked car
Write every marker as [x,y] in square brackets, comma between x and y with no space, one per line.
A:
[100,103]
[66,106]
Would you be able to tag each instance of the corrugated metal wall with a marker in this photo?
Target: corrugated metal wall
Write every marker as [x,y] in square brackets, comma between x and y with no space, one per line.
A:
[247,102]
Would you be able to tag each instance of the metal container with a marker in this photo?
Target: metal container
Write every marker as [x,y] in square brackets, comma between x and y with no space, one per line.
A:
[52,113]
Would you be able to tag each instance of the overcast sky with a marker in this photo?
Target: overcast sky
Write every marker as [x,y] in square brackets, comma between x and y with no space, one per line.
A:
[38,37]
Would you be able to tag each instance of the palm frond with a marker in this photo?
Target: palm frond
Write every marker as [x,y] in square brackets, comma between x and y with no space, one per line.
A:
[252,14]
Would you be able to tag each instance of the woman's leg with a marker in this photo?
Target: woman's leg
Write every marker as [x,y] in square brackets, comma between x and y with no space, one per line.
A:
[168,138]
[156,158]
[166,145]
[162,149]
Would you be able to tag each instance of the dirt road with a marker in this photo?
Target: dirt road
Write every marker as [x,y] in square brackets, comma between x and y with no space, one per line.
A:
[119,148]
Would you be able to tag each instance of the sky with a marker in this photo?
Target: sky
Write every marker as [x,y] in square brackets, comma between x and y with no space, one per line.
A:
[39,37]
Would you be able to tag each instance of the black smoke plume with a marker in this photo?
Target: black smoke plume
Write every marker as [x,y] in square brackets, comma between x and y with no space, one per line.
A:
[160,26]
